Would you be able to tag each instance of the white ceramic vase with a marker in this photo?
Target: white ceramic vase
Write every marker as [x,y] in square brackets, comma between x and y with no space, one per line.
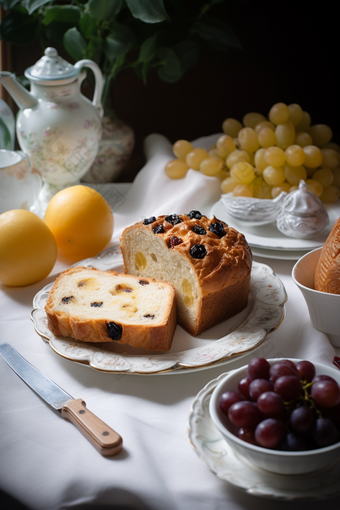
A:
[114,151]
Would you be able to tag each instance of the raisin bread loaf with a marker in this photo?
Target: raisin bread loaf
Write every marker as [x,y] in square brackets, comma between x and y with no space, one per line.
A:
[104,306]
[208,263]
[327,273]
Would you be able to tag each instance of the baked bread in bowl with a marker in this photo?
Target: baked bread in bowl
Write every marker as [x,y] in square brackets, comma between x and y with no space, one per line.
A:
[327,273]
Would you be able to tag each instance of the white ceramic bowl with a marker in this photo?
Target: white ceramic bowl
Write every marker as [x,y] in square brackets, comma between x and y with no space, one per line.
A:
[276,461]
[253,211]
[324,308]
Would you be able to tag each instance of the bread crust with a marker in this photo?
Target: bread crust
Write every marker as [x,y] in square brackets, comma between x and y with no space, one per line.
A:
[228,260]
[327,273]
[222,305]
[223,275]
[155,337]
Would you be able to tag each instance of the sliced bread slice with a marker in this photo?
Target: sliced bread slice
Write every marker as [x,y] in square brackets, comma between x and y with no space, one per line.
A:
[104,306]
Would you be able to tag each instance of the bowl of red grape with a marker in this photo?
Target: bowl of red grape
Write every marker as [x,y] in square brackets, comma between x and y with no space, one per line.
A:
[281,415]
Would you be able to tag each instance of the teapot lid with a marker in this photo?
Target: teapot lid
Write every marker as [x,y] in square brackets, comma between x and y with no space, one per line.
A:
[51,67]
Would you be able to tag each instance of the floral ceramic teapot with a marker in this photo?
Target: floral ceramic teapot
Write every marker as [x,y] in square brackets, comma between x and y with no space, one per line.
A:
[57,126]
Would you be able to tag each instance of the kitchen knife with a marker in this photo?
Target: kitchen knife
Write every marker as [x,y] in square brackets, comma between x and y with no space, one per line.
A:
[106,440]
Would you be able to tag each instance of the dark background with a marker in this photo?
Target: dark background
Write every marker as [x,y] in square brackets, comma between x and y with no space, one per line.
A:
[290,54]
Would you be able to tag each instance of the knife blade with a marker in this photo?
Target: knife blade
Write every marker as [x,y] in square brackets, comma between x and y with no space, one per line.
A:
[102,437]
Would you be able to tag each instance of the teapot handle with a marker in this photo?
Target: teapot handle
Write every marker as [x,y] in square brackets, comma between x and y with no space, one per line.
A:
[98,80]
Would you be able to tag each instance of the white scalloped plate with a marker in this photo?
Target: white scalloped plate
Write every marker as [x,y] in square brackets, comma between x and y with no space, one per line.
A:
[220,458]
[217,346]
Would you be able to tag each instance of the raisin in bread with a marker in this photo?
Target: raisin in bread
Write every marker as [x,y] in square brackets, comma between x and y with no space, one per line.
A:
[327,273]
[104,306]
[208,263]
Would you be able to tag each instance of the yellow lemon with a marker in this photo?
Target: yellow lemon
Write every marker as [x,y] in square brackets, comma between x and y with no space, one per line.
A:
[81,221]
[28,250]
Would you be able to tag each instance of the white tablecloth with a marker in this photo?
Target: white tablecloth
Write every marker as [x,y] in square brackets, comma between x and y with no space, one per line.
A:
[47,464]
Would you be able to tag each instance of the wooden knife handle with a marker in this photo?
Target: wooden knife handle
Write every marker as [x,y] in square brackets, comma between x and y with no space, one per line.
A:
[105,439]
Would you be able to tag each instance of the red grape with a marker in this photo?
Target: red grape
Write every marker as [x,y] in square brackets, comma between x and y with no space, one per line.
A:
[302,419]
[326,393]
[229,398]
[325,432]
[306,370]
[258,386]
[258,368]
[245,414]
[294,442]
[288,386]
[271,405]
[270,433]
[243,387]
[324,378]
[284,394]
[289,363]
[280,368]
[247,435]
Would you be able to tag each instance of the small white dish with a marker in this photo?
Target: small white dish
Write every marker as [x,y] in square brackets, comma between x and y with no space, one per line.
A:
[217,346]
[268,236]
[19,185]
[254,212]
[220,458]
[323,307]
[276,461]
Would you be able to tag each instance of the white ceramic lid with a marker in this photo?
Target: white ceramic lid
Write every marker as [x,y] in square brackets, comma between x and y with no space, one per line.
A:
[51,67]
[302,202]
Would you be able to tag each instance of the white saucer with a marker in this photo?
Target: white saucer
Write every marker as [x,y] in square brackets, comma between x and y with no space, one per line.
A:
[222,461]
[277,254]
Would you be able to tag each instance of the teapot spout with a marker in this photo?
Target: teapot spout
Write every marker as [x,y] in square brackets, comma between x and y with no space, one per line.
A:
[19,94]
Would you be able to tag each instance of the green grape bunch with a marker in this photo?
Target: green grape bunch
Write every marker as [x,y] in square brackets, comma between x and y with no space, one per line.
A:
[261,157]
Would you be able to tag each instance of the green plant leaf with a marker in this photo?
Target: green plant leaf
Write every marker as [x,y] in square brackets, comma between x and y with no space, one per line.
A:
[188,52]
[119,41]
[104,10]
[55,31]
[148,49]
[87,25]
[74,43]
[170,70]
[19,28]
[63,13]
[218,31]
[117,66]
[149,11]
[9,4]
[33,5]
[94,49]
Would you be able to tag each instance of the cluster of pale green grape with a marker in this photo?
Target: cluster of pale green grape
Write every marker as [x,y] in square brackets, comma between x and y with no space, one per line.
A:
[262,157]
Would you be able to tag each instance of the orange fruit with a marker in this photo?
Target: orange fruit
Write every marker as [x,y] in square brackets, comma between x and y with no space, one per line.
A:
[28,250]
[81,221]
